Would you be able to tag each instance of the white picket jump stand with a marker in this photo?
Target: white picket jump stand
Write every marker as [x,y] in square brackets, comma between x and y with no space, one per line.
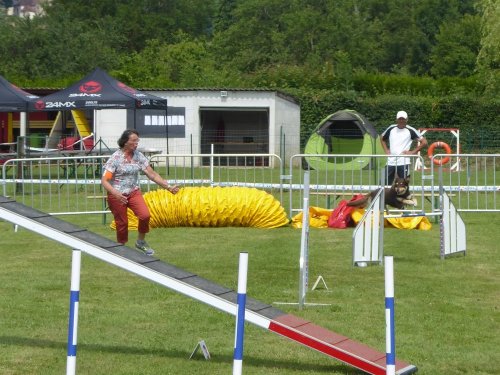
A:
[304,255]
[368,244]
[367,237]
[453,236]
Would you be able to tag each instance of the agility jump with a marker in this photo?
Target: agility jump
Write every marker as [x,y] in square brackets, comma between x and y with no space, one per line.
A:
[367,238]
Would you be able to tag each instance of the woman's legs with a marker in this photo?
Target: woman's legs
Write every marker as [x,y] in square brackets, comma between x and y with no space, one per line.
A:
[119,211]
[140,209]
[138,206]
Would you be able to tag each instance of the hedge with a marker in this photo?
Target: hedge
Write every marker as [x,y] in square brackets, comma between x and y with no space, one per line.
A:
[477,118]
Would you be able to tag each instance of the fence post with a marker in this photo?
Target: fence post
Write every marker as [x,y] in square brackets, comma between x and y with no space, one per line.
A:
[73,312]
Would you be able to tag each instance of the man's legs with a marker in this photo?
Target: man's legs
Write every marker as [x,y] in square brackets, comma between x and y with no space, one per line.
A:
[403,171]
[390,171]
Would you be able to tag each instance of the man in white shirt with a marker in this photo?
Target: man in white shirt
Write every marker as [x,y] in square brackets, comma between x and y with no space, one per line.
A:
[400,137]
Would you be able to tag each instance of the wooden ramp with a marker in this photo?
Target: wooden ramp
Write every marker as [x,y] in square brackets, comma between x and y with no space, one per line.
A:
[56,132]
[198,288]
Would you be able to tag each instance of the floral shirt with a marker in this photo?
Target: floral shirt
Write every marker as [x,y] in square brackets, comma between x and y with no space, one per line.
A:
[126,173]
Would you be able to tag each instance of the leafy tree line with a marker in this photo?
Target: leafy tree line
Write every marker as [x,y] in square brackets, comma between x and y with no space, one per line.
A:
[420,50]
[290,43]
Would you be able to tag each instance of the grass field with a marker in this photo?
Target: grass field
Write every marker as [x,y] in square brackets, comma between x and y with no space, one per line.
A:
[447,312]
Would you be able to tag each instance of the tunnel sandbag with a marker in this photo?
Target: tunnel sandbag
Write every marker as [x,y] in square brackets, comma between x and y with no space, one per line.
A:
[212,207]
[415,222]
[318,218]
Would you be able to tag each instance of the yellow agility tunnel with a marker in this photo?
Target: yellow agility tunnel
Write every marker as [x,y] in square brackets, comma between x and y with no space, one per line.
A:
[212,207]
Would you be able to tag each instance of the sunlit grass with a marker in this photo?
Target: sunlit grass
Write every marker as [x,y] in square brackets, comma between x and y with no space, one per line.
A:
[447,319]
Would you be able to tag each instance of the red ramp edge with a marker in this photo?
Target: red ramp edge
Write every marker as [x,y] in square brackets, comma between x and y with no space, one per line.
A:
[334,345]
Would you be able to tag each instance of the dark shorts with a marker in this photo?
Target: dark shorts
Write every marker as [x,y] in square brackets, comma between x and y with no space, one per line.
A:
[400,170]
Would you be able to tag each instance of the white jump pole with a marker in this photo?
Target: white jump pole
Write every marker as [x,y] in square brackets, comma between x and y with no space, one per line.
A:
[413,214]
[73,311]
[212,149]
[304,245]
[240,315]
[390,336]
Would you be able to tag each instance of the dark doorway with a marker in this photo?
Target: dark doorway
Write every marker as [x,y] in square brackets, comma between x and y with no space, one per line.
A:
[235,131]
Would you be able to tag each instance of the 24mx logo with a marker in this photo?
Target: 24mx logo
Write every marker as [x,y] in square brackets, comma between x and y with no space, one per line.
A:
[60,105]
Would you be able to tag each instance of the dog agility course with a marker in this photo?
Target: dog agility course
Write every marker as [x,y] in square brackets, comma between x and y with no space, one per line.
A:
[429,336]
[261,314]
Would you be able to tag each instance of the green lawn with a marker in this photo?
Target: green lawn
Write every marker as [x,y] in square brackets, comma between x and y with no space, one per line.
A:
[447,312]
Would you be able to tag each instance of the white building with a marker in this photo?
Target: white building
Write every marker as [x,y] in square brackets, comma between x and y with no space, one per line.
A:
[198,121]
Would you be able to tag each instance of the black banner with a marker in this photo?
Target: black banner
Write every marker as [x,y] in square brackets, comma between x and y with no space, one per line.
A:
[154,123]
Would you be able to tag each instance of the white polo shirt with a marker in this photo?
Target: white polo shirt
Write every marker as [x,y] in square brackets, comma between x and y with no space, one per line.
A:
[400,140]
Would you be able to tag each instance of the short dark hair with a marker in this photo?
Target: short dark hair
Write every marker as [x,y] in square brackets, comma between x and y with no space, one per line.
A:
[125,136]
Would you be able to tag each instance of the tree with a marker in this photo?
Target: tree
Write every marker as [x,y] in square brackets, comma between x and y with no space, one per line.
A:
[224,15]
[488,61]
[457,47]
[139,20]
[377,35]
[187,63]
[255,40]
[58,48]
[316,43]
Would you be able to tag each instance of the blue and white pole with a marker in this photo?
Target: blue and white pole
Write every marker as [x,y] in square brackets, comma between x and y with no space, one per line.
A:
[240,315]
[73,312]
[390,336]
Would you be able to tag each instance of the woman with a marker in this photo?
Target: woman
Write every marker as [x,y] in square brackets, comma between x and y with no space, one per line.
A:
[121,181]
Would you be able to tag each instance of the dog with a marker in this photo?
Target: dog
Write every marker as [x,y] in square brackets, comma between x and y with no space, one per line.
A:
[397,196]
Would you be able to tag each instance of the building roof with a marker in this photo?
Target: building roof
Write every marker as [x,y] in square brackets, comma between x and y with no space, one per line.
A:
[42,91]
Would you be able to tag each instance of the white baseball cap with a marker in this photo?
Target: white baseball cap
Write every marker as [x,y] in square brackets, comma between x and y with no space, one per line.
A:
[402,114]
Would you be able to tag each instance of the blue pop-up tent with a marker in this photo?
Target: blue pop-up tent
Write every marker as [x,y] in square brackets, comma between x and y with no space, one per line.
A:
[13,99]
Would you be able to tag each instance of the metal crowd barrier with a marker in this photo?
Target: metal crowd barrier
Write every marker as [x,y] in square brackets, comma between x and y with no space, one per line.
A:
[58,185]
[71,185]
[474,185]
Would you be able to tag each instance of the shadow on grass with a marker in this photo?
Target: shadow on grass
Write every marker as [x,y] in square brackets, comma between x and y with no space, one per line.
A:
[121,349]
